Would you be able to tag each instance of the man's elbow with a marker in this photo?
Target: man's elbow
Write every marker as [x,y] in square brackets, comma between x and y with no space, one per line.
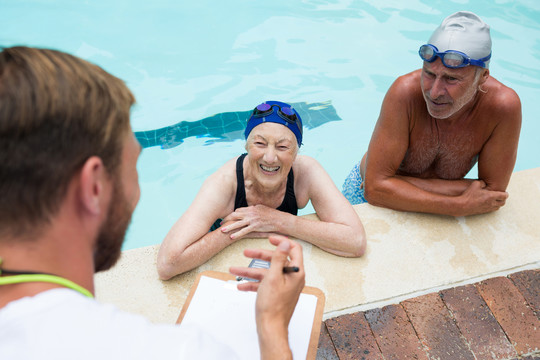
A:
[367,194]
[371,193]
[496,186]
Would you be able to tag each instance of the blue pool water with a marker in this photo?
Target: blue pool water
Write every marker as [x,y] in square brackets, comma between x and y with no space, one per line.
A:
[191,61]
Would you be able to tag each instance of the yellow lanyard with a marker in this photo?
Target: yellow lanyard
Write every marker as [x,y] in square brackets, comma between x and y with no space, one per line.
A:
[24,278]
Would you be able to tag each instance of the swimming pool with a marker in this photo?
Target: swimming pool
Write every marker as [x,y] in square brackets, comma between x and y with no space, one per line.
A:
[188,61]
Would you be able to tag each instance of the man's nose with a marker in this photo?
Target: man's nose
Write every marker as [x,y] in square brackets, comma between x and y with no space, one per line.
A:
[437,88]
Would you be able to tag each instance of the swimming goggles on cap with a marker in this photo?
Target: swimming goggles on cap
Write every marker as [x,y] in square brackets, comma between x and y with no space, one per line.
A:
[285,112]
[450,58]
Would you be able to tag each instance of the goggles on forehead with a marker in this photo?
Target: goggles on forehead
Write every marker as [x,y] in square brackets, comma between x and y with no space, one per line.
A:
[450,58]
[284,112]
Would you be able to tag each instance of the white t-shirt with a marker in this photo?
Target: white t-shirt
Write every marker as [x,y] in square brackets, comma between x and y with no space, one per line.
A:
[63,324]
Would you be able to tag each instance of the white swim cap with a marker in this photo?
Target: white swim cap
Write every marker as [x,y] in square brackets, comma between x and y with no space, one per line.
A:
[463,31]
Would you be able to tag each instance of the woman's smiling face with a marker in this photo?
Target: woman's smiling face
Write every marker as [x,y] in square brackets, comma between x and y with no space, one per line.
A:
[272,149]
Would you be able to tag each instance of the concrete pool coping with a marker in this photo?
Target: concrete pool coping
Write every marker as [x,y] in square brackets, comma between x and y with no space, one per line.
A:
[408,254]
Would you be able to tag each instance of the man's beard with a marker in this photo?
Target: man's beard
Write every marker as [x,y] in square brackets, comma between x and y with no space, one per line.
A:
[113,230]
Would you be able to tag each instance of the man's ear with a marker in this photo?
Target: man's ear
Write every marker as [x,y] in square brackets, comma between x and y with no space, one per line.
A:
[93,178]
[484,76]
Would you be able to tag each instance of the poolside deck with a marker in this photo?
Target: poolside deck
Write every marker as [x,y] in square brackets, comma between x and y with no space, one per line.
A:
[416,265]
[498,318]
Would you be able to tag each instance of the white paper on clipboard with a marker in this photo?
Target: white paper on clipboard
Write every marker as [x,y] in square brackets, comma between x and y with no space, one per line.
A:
[221,310]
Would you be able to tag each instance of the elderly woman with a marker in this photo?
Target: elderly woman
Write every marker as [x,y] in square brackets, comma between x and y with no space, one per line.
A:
[259,193]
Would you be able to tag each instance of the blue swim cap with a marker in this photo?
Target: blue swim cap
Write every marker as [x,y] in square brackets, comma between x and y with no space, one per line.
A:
[276,112]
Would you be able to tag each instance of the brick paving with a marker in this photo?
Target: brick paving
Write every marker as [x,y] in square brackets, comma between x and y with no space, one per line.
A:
[498,318]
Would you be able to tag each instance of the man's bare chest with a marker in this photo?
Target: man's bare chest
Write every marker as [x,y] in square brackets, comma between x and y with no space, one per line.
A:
[435,153]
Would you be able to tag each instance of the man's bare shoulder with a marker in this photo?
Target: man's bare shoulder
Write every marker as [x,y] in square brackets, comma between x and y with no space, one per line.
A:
[403,103]
[501,97]
[406,90]
[410,81]
[499,103]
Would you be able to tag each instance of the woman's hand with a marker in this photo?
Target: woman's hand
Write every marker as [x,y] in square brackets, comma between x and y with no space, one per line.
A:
[256,221]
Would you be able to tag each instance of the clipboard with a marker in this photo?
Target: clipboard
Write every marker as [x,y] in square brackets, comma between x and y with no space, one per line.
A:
[231,280]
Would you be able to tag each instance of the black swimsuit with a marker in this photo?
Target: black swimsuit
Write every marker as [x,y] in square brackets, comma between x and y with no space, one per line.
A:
[289,200]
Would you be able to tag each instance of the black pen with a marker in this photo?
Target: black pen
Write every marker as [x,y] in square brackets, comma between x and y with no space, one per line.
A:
[290,269]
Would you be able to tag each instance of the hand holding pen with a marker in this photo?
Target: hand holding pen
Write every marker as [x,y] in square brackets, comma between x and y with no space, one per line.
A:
[291,265]
[278,291]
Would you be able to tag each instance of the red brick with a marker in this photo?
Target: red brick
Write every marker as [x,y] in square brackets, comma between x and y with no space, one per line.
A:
[477,324]
[394,333]
[353,338]
[528,284]
[436,328]
[513,313]
[326,350]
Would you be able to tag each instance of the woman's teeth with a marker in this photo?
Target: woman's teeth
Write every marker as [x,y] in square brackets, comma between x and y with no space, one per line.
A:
[269,168]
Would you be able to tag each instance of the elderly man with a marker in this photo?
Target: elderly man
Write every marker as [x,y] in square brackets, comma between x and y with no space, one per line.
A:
[68,187]
[436,123]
